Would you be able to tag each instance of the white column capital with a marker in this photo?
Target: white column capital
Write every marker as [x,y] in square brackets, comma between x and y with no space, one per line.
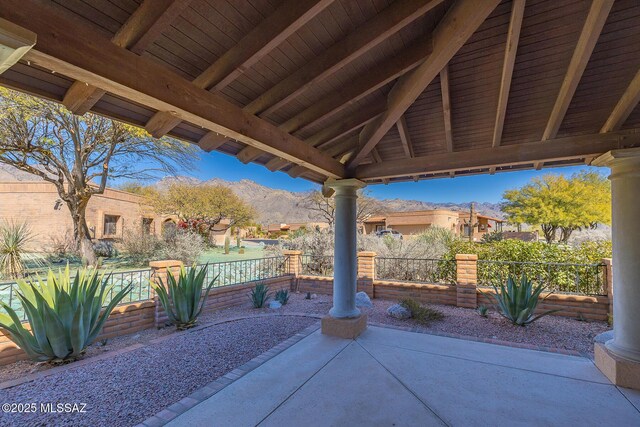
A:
[623,157]
[339,184]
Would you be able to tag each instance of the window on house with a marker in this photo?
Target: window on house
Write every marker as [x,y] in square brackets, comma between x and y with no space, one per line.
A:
[379,227]
[147,225]
[110,225]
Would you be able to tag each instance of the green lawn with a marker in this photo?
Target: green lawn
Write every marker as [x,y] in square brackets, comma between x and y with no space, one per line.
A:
[217,255]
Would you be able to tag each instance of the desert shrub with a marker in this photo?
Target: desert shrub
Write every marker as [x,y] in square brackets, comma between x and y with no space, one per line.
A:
[14,256]
[259,295]
[421,313]
[483,310]
[494,236]
[141,247]
[65,315]
[282,296]
[183,245]
[105,249]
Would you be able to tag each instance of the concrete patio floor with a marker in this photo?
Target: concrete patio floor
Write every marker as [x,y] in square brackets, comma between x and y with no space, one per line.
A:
[389,377]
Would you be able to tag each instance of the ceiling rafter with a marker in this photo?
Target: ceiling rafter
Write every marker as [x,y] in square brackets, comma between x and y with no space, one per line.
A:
[405,138]
[79,54]
[446,108]
[593,25]
[256,44]
[575,147]
[142,28]
[457,26]
[510,51]
[629,100]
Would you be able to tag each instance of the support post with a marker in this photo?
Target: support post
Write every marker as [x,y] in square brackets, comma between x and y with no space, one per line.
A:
[466,280]
[619,358]
[608,282]
[366,272]
[293,266]
[344,318]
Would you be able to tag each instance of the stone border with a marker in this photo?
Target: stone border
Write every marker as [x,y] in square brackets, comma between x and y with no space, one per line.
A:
[204,393]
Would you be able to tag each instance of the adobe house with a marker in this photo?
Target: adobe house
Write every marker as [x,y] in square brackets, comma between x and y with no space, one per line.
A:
[110,215]
[415,222]
[355,96]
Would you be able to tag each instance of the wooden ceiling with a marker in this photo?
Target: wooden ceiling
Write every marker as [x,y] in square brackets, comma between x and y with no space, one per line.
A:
[379,90]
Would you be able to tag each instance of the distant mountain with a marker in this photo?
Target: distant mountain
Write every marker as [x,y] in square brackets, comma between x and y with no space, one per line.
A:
[280,206]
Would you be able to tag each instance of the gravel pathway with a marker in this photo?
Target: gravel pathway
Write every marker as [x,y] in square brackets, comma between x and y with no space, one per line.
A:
[130,387]
[549,331]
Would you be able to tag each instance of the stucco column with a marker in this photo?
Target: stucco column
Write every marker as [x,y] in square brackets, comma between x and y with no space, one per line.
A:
[345,261]
[625,204]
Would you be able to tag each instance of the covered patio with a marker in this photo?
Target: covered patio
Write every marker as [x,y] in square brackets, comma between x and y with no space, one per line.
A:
[389,377]
[352,93]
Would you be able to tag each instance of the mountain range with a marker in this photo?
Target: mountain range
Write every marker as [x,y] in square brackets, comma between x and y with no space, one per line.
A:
[276,206]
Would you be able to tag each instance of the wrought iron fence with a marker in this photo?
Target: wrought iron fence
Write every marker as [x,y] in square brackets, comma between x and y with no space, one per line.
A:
[250,270]
[585,279]
[437,271]
[316,265]
[139,279]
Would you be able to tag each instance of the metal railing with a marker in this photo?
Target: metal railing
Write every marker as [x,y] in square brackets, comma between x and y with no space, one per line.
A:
[584,279]
[316,265]
[242,271]
[140,291]
[437,271]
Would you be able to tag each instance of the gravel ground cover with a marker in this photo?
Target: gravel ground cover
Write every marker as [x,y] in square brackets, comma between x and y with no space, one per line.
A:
[549,331]
[130,387]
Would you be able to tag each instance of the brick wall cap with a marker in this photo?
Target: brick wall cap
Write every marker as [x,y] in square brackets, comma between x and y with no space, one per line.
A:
[466,257]
[292,252]
[165,263]
[367,253]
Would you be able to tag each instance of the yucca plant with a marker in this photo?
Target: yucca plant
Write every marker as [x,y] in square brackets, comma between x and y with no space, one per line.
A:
[14,238]
[259,295]
[183,299]
[282,296]
[518,301]
[65,314]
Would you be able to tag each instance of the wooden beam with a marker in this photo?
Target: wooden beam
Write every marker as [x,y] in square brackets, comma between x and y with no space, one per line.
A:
[261,40]
[145,25]
[574,147]
[446,108]
[457,26]
[588,38]
[296,171]
[624,107]
[510,50]
[365,84]
[342,147]
[327,134]
[276,164]
[80,54]
[403,130]
[209,142]
[376,156]
[377,29]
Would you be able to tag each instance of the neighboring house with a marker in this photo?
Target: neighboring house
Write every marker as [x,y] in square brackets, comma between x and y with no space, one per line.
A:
[25,197]
[287,228]
[416,222]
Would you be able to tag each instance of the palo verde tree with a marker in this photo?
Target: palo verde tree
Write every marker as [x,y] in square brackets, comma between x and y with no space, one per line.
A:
[203,206]
[80,154]
[560,204]
[325,207]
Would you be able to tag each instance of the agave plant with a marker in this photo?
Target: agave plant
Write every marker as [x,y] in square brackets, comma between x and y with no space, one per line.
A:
[65,315]
[259,295]
[518,301]
[282,296]
[183,299]
[14,238]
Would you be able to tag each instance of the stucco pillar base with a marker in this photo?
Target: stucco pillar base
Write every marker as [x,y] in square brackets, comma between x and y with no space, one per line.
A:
[344,328]
[621,372]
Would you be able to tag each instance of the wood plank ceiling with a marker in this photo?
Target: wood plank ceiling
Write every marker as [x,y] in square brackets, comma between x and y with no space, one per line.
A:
[380,90]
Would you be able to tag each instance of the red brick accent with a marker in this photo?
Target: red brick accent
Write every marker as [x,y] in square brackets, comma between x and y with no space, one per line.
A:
[366,271]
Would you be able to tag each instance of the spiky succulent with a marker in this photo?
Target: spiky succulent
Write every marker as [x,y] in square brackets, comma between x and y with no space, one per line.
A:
[65,314]
[259,295]
[184,298]
[518,301]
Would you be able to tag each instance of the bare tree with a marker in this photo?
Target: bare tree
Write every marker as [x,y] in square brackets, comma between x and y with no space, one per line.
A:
[79,155]
[325,207]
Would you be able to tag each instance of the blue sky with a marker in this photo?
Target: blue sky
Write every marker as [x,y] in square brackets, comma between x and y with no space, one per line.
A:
[479,188]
